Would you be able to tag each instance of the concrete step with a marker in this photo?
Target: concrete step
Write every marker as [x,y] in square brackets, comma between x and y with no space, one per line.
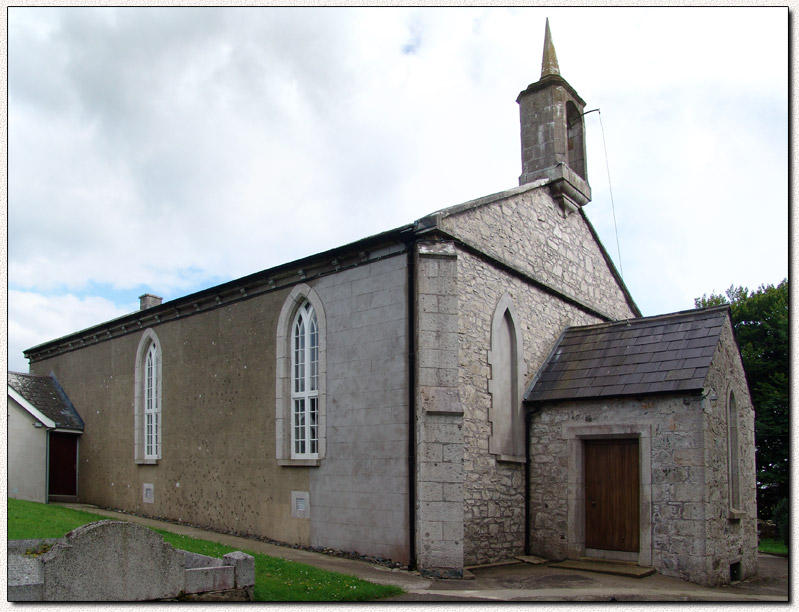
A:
[532,560]
[616,568]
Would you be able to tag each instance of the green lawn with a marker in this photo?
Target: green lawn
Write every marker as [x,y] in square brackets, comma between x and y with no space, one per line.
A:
[275,579]
[772,547]
[30,520]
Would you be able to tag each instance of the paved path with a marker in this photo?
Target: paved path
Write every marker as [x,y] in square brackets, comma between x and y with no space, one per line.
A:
[511,582]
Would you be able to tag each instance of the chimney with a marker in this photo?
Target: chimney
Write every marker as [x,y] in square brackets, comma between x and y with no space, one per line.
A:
[148,300]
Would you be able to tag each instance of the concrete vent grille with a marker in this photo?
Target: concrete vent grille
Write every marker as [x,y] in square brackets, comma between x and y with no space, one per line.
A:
[301,504]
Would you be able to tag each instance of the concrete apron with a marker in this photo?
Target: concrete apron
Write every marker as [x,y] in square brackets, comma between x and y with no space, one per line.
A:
[503,582]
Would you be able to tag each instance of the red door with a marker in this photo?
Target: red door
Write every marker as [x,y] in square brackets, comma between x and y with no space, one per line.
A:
[611,494]
[63,464]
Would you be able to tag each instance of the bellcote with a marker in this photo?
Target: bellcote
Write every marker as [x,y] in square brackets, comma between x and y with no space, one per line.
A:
[553,133]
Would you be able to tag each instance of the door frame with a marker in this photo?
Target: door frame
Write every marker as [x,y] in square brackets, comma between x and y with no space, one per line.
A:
[57,497]
[574,436]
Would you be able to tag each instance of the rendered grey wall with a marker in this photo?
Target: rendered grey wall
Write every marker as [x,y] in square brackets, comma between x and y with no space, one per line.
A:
[359,493]
[218,465]
[27,455]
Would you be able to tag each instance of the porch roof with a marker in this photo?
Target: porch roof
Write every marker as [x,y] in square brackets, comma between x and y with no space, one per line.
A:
[46,395]
[662,354]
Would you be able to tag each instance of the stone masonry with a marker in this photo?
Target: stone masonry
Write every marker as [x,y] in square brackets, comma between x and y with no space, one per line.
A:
[119,561]
[525,226]
[688,529]
[439,414]
[730,533]
[494,489]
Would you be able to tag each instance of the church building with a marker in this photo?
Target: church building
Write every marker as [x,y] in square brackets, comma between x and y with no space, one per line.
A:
[471,387]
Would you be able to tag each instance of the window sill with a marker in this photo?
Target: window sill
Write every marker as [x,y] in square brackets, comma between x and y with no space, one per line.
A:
[147,461]
[735,515]
[510,459]
[299,462]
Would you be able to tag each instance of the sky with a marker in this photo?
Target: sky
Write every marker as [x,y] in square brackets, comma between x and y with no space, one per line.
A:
[167,150]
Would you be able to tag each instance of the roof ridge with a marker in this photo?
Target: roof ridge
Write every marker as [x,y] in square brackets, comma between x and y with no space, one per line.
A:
[642,320]
[29,375]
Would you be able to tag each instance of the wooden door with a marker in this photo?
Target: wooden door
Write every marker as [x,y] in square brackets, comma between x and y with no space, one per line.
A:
[63,464]
[611,494]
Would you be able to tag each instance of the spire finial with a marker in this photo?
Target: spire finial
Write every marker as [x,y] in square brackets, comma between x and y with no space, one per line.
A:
[549,63]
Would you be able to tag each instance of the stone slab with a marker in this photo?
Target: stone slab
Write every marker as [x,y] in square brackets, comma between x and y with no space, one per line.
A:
[532,560]
[112,561]
[605,567]
[202,579]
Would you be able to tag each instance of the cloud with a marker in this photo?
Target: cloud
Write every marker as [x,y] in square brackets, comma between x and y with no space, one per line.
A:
[169,149]
[35,318]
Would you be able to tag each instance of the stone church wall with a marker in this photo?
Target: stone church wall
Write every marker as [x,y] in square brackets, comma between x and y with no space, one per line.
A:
[671,447]
[439,436]
[526,227]
[494,489]
[731,533]
[683,446]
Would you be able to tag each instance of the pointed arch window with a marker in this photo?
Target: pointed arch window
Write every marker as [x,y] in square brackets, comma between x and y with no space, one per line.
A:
[305,384]
[152,405]
[300,385]
[734,461]
[508,368]
[147,399]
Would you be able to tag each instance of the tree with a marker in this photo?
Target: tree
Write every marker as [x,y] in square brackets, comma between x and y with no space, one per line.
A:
[760,320]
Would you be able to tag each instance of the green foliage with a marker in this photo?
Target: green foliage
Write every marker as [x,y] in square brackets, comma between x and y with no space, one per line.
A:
[782,519]
[772,547]
[275,579]
[760,319]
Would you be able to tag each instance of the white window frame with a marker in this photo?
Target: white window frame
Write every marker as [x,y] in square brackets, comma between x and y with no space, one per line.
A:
[152,403]
[305,384]
[299,295]
[148,404]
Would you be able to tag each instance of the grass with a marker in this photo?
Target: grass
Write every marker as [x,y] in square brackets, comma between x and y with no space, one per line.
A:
[30,520]
[275,579]
[773,547]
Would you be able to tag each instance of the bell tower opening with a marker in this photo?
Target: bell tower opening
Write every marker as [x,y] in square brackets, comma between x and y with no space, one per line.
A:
[575,139]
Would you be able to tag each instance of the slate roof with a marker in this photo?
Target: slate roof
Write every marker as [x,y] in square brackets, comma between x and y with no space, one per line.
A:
[663,354]
[47,396]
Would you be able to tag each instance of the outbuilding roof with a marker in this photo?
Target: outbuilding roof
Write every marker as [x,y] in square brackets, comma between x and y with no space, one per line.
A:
[46,395]
[663,354]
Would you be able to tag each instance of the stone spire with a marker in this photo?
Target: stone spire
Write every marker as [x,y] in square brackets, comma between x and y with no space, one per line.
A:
[549,62]
[553,134]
